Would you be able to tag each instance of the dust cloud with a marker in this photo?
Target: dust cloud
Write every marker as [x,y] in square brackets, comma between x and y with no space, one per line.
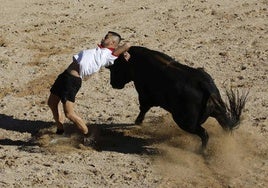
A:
[175,154]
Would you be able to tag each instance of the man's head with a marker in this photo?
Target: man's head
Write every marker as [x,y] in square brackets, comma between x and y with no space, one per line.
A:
[111,40]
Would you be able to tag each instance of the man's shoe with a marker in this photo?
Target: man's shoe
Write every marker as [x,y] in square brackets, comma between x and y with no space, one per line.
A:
[59,131]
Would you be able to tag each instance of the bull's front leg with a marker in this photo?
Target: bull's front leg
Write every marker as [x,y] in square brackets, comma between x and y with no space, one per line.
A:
[143,110]
[145,103]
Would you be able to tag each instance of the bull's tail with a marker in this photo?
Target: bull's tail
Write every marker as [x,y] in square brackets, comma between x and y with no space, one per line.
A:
[228,114]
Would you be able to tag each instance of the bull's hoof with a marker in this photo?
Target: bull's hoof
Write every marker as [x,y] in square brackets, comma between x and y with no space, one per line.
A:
[202,150]
[138,121]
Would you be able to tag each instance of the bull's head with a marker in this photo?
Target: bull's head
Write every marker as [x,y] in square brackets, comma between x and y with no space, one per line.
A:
[120,73]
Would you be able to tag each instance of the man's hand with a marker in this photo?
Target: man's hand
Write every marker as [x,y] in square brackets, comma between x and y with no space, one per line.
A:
[126,56]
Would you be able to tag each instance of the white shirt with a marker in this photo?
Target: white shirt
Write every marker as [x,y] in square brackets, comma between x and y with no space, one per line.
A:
[90,61]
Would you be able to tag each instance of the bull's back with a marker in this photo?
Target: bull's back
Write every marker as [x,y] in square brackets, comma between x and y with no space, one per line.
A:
[166,82]
[161,68]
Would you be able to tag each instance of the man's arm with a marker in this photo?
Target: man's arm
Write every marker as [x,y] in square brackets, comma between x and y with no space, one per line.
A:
[121,49]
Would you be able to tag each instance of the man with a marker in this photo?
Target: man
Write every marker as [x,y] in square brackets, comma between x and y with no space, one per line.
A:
[69,82]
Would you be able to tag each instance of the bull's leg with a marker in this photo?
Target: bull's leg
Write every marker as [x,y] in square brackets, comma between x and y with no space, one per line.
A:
[191,126]
[143,111]
[202,133]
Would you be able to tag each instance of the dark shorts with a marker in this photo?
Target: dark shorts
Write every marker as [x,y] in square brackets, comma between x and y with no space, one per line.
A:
[66,87]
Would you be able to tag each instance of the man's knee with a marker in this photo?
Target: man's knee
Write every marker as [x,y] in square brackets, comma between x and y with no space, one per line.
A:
[70,115]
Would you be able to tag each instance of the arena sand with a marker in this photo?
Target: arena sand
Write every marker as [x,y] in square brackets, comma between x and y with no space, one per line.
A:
[38,38]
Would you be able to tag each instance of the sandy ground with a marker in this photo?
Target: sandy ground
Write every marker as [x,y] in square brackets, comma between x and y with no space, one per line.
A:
[38,38]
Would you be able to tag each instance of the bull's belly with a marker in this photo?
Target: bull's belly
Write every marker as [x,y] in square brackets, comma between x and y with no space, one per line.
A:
[163,101]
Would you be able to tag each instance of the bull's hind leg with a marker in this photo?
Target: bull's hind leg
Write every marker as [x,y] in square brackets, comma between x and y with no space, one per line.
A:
[202,133]
[192,127]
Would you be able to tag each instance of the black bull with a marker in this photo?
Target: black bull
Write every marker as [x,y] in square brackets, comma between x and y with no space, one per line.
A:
[189,94]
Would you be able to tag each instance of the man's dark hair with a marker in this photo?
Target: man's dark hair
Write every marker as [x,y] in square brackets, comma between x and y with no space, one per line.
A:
[116,34]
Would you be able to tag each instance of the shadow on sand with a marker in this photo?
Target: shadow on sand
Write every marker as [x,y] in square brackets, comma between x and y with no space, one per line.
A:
[111,137]
[122,138]
[22,126]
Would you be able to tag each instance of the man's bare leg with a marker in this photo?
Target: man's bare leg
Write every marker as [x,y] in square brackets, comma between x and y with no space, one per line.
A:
[68,108]
[53,103]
